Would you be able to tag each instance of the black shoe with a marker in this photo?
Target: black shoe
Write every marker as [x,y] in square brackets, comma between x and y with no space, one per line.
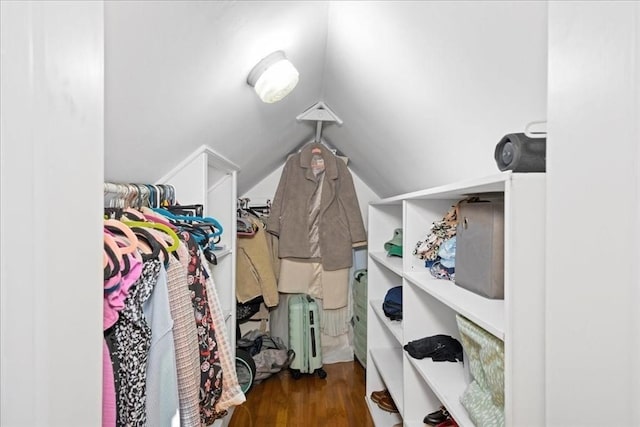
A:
[436,417]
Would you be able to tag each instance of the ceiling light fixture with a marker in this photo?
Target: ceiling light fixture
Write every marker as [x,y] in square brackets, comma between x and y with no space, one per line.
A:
[274,77]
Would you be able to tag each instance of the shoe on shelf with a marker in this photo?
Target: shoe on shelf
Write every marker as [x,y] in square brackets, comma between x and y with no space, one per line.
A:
[450,422]
[436,417]
[386,404]
[377,395]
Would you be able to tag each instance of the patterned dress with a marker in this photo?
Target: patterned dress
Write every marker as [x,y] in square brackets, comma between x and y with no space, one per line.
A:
[132,338]
[210,367]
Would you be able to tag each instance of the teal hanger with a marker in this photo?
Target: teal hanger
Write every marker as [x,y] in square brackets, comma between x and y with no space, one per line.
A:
[191,219]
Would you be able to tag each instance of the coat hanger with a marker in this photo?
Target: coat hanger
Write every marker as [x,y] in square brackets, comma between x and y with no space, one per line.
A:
[113,253]
[188,210]
[126,242]
[193,220]
[151,247]
[206,231]
[315,147]
[245,227]
[147,214]
[116,195]
[118,227]
[167,195]
[157,226]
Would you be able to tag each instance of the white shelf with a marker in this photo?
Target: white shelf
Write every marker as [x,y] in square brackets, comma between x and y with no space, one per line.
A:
[389,364]
[221,253]
[487,184]
[392,263]
[390,201]
[486,313]
[394,326]
[447,380]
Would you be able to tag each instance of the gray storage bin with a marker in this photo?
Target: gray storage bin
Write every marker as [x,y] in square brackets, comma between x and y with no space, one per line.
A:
[480,245]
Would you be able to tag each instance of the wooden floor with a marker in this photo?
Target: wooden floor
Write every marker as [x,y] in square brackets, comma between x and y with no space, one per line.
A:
[336,401]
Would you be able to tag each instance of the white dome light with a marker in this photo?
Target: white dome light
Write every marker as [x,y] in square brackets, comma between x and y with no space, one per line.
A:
[274,77]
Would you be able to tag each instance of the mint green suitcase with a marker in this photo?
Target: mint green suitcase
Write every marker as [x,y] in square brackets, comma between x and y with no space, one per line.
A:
[304,336]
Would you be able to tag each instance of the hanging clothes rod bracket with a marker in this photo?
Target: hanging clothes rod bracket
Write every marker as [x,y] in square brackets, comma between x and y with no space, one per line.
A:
[319,112]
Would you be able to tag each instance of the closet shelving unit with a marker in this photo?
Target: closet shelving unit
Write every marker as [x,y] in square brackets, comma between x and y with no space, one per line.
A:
[430,305]
[384,336]
[205,177]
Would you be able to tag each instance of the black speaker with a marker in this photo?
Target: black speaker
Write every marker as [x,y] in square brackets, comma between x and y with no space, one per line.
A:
[520,153]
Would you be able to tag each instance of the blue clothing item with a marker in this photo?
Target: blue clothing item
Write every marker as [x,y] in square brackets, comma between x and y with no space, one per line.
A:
[439,271]
[447,252]
[162,381]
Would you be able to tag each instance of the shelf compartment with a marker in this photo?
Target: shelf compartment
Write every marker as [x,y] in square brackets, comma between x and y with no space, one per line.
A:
[388,362]
[486,313]
[394,326]
[392,263]
[447,381]
[380,417]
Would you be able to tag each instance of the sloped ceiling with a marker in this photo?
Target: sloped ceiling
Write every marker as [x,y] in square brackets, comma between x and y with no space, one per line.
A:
[175,79]
[425,89]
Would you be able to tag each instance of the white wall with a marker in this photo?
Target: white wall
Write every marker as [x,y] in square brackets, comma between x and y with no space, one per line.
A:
[51,163]
[266,189]
[593,235]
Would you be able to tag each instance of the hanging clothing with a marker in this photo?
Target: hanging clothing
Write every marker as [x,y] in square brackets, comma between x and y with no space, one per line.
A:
[116,291]
[162,382]
[232,394]
[133,339]
[314,212]
[339,227]
[109,410]
[210,369]
[272,245]
[310,278]
[166,344]
[255,275]
[185,339]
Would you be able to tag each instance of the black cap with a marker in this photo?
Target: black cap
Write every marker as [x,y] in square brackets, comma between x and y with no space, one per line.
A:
[438,347]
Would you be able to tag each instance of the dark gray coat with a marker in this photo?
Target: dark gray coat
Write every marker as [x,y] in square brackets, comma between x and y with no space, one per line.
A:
[341,226]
